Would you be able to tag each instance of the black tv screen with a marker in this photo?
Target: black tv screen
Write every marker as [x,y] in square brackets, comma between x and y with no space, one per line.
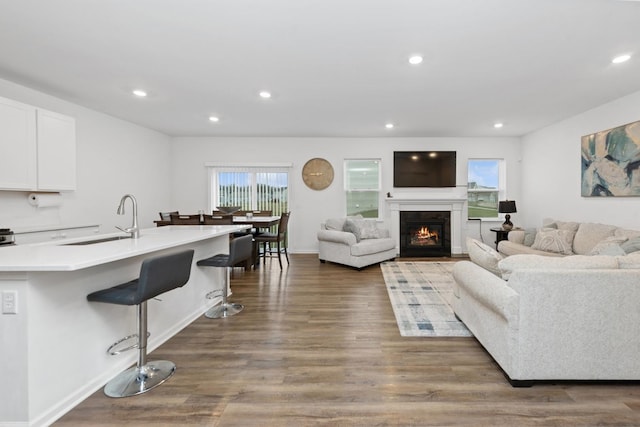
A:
[424,169]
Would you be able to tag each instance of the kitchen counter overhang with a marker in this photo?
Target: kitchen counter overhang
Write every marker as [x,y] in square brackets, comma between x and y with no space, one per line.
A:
[63,255]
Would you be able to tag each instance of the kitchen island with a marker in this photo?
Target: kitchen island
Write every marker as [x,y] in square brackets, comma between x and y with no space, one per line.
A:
[53,351]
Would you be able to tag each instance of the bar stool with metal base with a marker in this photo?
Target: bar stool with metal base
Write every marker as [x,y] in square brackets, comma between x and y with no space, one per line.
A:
[240,249]
[157,275]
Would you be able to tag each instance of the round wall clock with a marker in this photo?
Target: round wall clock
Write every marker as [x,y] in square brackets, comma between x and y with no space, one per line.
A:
[317,173]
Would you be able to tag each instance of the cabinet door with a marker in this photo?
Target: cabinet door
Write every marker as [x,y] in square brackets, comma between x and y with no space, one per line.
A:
[17,146]
[56,151]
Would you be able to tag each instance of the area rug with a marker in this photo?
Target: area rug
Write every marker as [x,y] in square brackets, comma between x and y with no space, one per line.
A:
[421,295]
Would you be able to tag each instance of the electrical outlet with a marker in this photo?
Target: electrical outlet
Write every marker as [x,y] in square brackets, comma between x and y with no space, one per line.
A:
[9,302]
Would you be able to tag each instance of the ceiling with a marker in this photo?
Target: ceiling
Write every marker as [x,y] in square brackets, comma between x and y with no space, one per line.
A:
[334,67]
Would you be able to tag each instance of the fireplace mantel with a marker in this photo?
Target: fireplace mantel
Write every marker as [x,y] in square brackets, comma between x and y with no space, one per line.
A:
[428,203]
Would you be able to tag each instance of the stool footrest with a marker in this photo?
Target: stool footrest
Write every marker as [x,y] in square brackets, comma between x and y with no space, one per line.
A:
[214,294]
[113,352]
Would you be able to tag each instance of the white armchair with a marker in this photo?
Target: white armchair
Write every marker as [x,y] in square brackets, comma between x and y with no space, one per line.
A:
[355,242]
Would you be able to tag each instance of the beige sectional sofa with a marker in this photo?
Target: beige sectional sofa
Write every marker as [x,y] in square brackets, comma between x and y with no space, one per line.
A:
[546,318]
[562,238]
[354,241]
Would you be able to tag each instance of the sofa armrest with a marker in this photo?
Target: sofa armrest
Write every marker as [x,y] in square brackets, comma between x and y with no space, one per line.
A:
[336,236]
[487,288]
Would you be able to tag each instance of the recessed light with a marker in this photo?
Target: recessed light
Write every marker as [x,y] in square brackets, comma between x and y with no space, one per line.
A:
[214,119]
[415,60]
[140,93]
[389,125]
[620,59]
[498,125]
[264,94]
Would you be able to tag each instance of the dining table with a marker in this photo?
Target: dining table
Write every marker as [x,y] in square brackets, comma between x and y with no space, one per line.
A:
[257,221]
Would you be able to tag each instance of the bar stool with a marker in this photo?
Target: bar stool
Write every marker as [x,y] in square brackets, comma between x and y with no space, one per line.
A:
[157,275]
[240,249]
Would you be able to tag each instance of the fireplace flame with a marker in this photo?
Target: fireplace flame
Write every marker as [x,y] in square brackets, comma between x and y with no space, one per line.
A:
[425,233]
[424,236]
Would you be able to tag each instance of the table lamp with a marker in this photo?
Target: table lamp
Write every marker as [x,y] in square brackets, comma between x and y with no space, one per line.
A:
[507,207]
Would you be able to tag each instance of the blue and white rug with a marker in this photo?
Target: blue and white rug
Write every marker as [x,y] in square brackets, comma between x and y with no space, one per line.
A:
[421,294]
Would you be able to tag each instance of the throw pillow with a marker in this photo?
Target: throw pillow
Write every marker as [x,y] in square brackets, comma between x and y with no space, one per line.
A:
[631,245]
[351,226]
[362,228]
[335,224]
[529,236]
[369,229]
[609,246]
[484,256]
[554,240]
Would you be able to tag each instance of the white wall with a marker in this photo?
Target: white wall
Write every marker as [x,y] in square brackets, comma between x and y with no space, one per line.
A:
[114,157]
[310,208]
[551,170]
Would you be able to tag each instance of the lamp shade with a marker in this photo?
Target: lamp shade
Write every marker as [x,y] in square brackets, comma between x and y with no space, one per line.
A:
[507,206]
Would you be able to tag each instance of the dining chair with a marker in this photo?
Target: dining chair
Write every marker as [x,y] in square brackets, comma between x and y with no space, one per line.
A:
[218,219]
[185,219]
[166,216]
[279,238]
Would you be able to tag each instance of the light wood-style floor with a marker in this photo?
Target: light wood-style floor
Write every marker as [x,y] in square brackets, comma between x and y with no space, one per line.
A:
[318,345]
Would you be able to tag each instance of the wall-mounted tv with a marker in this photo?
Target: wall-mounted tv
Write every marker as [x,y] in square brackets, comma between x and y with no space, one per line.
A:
[424,169]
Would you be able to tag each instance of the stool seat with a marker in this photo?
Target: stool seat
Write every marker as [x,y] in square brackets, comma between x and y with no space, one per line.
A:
[220,260]
[240,249]
[157,275]
[125,294]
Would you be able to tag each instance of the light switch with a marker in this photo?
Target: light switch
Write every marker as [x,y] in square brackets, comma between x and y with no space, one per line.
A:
[9,302]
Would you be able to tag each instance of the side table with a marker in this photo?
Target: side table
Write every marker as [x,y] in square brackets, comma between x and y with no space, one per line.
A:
[500,235]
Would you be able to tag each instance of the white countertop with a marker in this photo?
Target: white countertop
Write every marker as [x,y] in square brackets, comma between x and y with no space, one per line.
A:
[49,227]
[57,256]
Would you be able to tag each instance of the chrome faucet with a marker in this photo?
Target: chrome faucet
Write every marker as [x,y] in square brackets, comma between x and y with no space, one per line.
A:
[133,230]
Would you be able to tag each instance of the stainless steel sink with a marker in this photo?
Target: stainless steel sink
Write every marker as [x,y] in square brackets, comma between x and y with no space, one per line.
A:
[103,240]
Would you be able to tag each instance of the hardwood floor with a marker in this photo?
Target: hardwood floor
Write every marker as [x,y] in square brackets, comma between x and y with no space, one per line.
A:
[318,345]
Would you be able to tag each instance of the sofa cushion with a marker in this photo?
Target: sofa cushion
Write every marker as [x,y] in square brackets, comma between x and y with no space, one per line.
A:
[589,235]
[629,234]
[372,246]
[484,256]
[526,261]
[508,248]
[554,240]
[631,261]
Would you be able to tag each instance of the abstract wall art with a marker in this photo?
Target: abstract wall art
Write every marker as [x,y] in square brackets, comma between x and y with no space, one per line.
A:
[611,162]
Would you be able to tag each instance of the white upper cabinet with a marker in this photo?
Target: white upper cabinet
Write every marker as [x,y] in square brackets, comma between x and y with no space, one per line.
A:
[56,151]
[38,148]
[17,146]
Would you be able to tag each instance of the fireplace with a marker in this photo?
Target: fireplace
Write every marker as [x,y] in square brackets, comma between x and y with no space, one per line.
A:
[425,233]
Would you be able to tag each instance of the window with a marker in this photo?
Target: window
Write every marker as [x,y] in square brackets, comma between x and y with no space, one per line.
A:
[362,187]
[485,187]
[264,187]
